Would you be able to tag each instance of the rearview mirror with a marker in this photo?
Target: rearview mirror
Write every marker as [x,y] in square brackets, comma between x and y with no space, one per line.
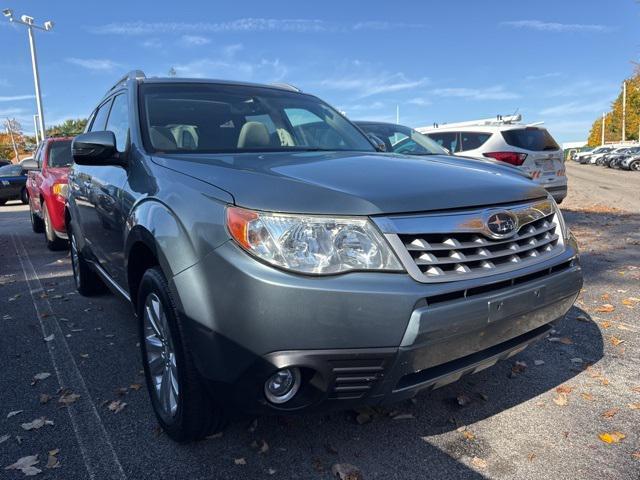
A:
[95,148]
[377,142]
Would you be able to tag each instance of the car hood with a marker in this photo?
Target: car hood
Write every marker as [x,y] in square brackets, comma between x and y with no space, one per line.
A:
[349,183]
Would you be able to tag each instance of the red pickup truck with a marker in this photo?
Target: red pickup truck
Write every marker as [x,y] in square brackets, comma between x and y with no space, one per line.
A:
[47,190]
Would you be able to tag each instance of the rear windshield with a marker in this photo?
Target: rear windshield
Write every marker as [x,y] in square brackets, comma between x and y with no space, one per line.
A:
[60,154]
[536,139]
[211,118]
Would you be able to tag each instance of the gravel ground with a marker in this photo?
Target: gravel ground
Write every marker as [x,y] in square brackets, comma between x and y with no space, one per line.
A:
[537,419]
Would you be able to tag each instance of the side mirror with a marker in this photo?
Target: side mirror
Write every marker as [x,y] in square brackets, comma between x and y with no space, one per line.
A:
[377,142]
[95,148]
[29,164]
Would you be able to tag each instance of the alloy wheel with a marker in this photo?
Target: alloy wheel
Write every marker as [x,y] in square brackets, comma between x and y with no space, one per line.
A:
[160,355]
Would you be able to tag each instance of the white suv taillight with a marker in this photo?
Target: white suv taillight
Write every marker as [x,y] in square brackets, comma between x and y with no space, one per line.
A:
[513,158]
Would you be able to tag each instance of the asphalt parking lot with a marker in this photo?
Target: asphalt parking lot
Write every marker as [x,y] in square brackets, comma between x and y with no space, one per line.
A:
[568,407]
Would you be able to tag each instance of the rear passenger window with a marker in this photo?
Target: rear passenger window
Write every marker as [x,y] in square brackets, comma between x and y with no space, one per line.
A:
[473,140]
[448,140]
[118,122]
[100,118]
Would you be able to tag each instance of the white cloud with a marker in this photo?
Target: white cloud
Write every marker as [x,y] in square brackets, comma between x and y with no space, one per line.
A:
[556,27]
[366,85]
[496,92]
[16,98]
[152,43]
[573,108]
[264,70]
[420,101]
[245,25]
[94,64]
[583,88]
[194,40]
[362,107]
[542,76]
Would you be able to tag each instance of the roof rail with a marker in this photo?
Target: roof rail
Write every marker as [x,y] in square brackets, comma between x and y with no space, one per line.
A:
[286,86]
[132,75]
[497,120]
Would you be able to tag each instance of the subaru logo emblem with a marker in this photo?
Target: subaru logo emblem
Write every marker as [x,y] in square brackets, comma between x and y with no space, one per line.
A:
[501,225]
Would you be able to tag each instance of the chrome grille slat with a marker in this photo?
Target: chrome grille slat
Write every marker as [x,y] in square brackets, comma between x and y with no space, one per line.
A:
[466,250]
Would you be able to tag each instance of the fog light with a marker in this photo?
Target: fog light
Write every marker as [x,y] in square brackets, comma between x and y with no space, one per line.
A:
[282,385]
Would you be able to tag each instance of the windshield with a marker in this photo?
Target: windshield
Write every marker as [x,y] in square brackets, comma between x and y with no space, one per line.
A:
[213,118]
[400,139]
[59,154]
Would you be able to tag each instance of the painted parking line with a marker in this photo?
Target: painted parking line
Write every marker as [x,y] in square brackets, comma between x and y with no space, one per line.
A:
[93,440]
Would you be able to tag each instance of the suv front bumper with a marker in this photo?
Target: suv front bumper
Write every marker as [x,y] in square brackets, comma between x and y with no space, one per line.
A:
[362,337]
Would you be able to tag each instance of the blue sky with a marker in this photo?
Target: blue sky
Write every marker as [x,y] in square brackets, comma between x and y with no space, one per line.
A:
[557,61]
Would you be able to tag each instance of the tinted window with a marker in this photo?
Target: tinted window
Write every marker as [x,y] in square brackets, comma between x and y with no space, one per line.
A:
[59,154]
[234,118]
[118,122]
[473,140]
[100,118]
[400,139]
[536,139]
[448,140]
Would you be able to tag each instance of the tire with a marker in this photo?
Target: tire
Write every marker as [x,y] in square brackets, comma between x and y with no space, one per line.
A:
[24,196]
[87,281]
[54,242]
[187,412]
[37,225]
[635,165]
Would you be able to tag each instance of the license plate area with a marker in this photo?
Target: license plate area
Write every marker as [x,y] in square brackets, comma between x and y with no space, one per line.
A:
[518,304]
[547,165]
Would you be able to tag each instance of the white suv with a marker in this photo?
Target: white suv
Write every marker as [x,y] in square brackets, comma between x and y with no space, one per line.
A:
[529,147]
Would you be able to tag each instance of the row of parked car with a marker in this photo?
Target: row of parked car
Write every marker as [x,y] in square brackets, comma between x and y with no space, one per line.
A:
[281,258]
[625,157]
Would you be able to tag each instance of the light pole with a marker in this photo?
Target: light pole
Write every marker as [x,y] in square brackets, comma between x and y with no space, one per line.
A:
[27,21]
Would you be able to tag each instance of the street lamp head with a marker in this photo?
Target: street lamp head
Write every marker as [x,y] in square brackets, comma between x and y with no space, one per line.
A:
[7,12]
[48,25]
[27,19]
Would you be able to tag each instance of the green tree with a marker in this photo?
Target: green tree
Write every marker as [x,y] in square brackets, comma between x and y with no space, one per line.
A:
[68,128]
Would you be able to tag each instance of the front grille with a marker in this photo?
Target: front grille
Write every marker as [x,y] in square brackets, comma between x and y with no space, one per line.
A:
[467,251]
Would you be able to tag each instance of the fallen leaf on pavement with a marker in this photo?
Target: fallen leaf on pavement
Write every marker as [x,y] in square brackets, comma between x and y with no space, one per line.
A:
[611,437]
[52,460]
[605,324]
[239,461]
[582,318]
[26,465]
[518,367]
[606,308]
[463,399]
[587,396]
[537,363]
[634,406]
[403,416]
[560,399]
[4,438]
[116,406]
[479,463]
[44,398]
[610,413]
[636,455]
[49,338]
[40,376]
[68,398]
[468,435]
[566,341]
[36,424]
[531,456]
[615,341]
[605,297]
[564,389]
[14,413]
[262,446]
[135,386]
[346,471]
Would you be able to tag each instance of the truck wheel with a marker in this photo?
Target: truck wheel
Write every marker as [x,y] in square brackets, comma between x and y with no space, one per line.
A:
[37,225]
[53,241]
[24,196]
[87,281]
[178,394]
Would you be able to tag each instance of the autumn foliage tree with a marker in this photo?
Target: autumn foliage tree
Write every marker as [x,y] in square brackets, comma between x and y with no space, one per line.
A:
[613,118]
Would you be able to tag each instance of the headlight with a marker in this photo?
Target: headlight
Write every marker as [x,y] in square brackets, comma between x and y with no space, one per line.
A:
[311,244]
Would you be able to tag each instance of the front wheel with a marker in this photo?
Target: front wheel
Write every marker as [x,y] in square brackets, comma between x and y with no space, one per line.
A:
[87,281]
[178,394]
[53,241]
[635,165]
[24,196]
[37,225]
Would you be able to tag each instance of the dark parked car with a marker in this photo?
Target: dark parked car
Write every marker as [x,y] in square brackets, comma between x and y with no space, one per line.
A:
[13,179]
[278,263]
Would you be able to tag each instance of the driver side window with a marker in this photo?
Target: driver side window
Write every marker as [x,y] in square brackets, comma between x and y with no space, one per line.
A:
[100,119]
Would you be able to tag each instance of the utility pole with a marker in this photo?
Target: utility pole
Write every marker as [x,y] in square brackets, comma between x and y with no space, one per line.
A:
[624,110]
[35,125]
[27,21]
[602,133]
[13,140]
